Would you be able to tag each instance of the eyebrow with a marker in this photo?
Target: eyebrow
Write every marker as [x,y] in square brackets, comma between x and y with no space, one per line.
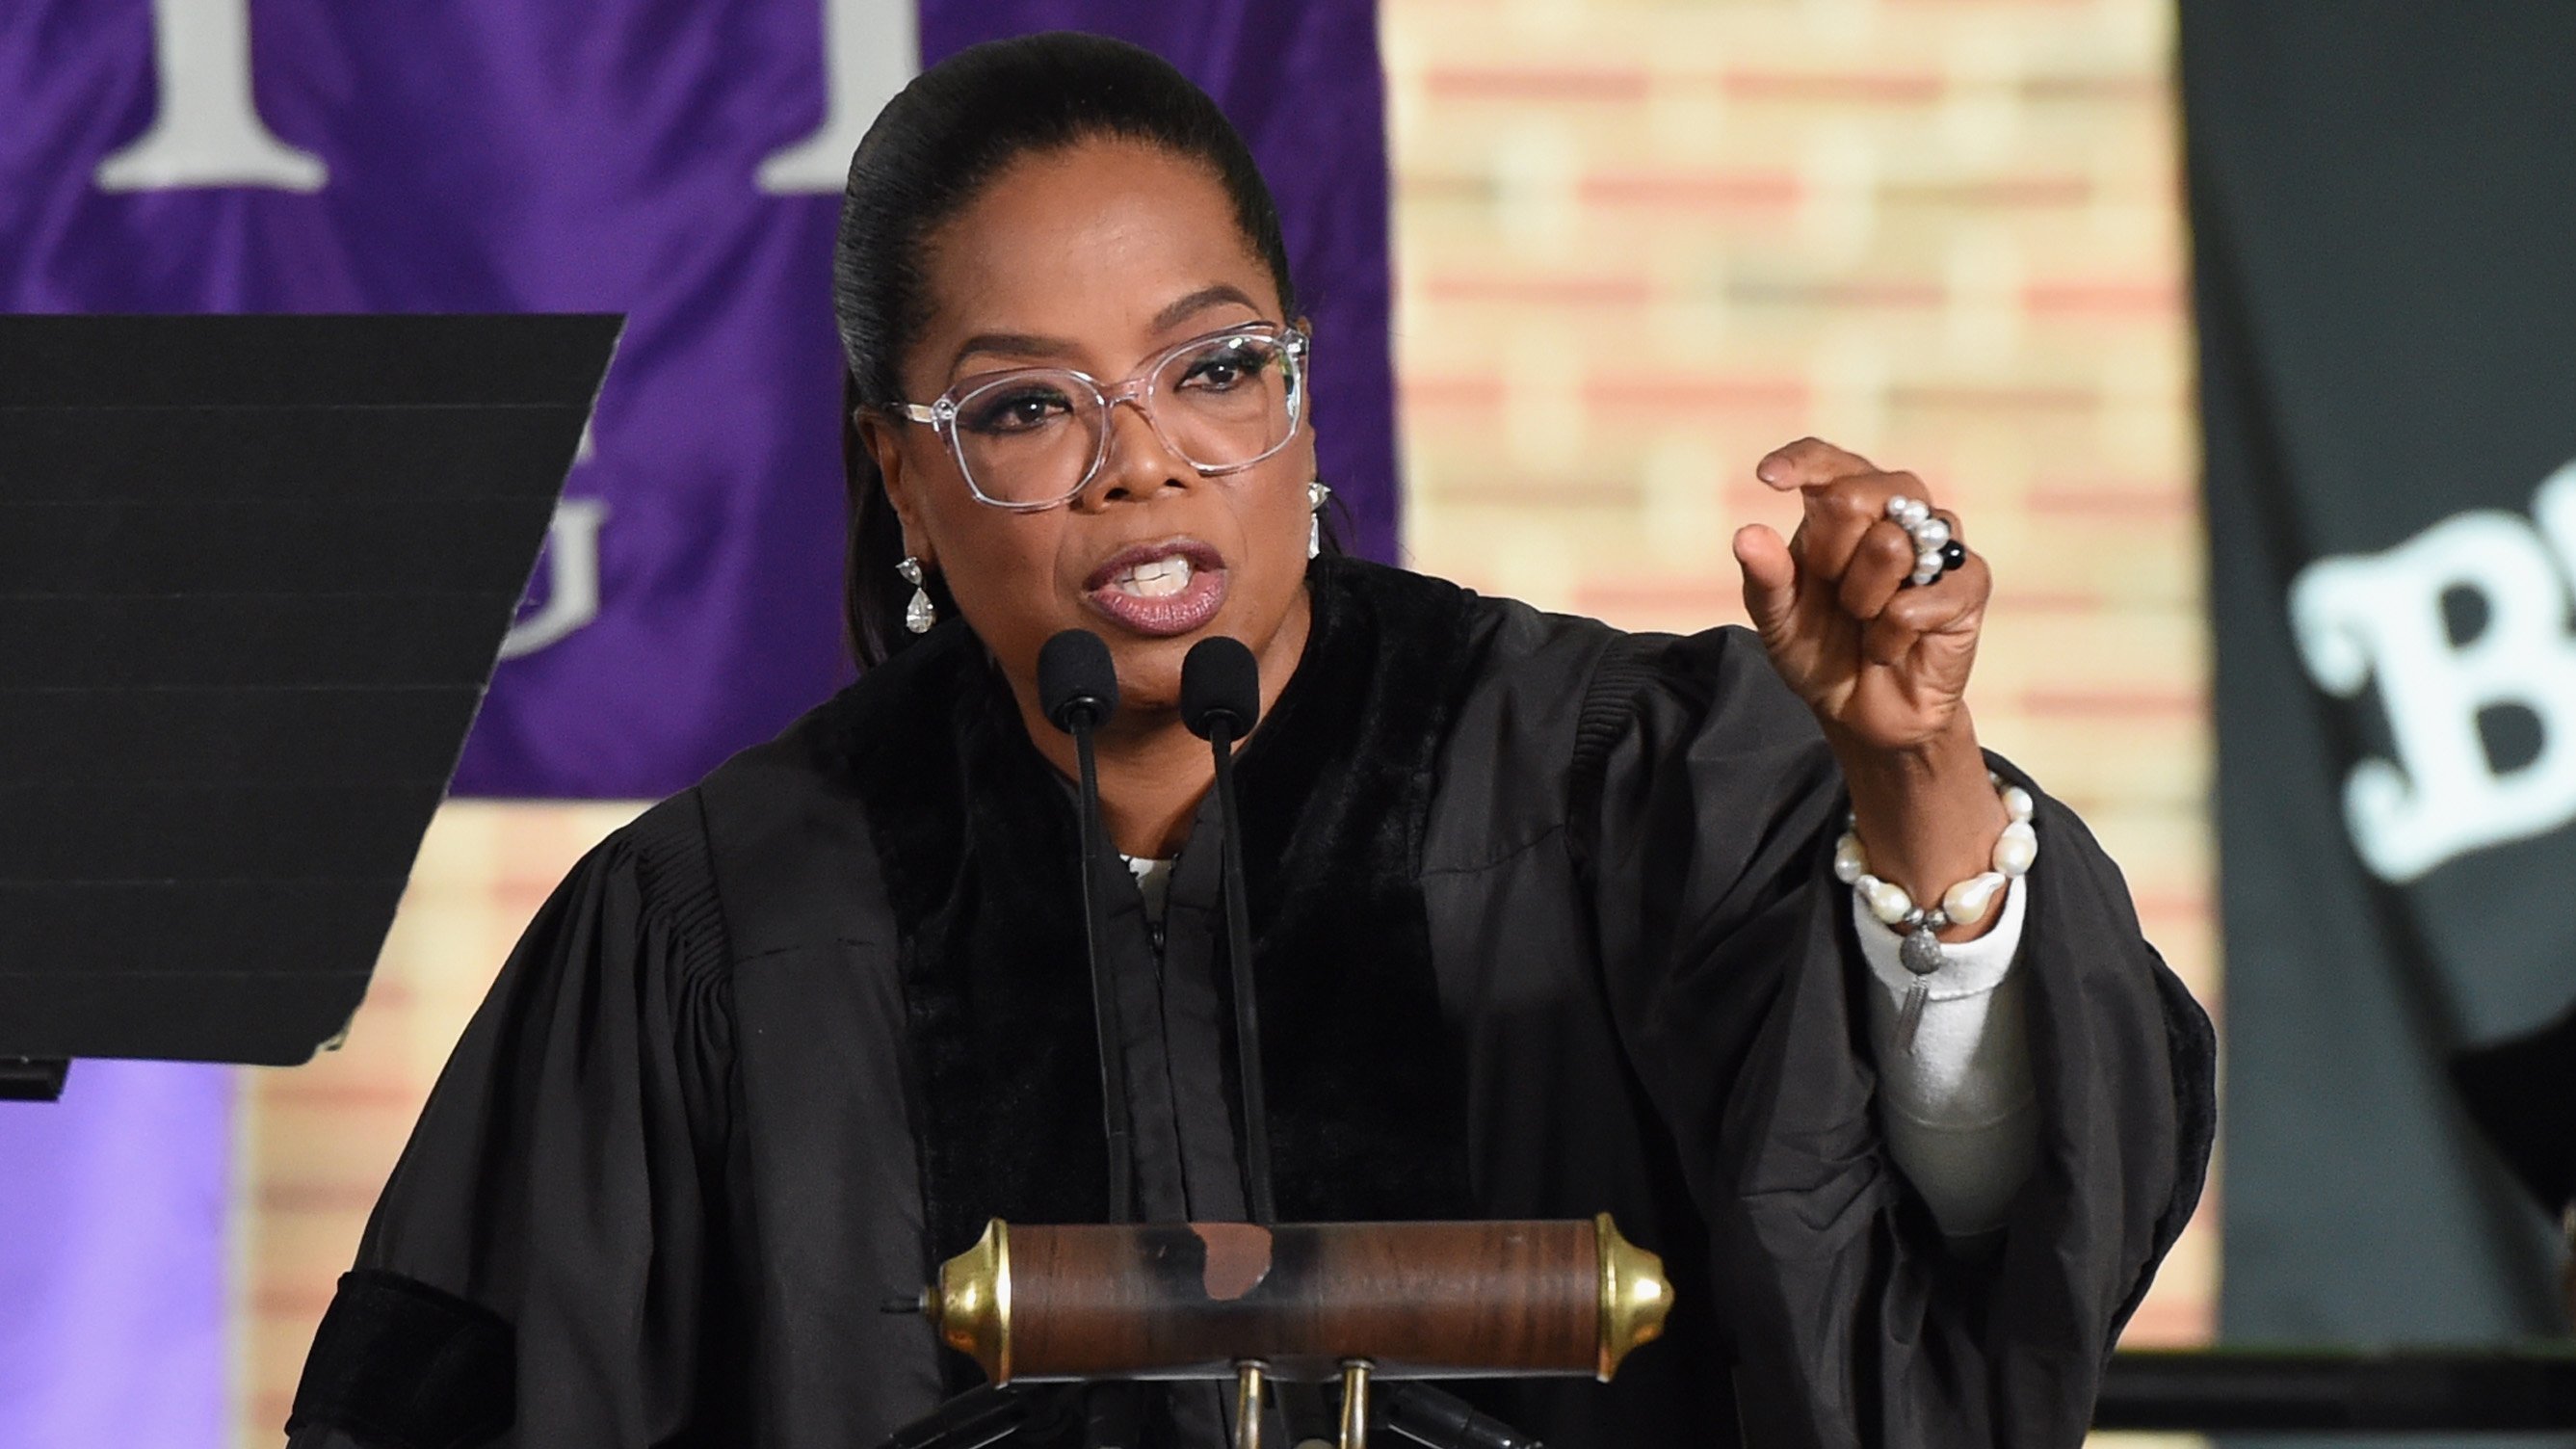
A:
[1012,344]
[1029,344]
[1200,301]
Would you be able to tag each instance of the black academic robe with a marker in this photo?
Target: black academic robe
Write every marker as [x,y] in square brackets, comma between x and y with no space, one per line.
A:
[1545,926]
[2522,1094]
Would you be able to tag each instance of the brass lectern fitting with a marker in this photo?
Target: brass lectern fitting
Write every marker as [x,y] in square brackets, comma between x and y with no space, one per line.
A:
[972,1305]
[1355,1404]
[1248,1380]
[1634,1296]
[1196,1301]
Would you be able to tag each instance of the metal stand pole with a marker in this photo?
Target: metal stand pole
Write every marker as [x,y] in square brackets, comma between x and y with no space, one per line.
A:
[1248,1382]
[1355,1404]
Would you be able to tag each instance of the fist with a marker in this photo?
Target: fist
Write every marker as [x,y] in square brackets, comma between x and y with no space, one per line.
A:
[1882,661]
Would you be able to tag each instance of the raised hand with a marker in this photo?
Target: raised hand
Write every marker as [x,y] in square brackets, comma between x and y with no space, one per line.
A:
[1883,662]
[1876,658]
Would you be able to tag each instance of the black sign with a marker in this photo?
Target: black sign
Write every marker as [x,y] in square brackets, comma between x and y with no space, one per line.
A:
[2383,202]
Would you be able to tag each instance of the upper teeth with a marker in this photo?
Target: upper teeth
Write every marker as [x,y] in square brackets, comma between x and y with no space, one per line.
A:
[1159,579]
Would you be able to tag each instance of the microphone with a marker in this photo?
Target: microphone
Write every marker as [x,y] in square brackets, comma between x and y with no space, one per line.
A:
[1078,687]
[1077,682]
[1220,700]
[1220,688]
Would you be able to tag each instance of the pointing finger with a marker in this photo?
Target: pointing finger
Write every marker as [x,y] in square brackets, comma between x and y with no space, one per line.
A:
[1808,462]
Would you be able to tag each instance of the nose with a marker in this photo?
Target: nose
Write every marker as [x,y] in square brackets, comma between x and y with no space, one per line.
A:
[1136,462]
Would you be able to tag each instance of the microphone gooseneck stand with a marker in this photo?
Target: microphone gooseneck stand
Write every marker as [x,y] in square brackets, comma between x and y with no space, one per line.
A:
[1220,700]
[1078,683]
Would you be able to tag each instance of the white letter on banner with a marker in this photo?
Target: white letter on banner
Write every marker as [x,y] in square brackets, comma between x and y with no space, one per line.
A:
[2554,509]
[2381,614]
[870,48]
[572,578]
[207,133]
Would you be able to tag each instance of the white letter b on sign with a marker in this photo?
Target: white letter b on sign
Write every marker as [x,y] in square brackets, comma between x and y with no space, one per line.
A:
[2381,615]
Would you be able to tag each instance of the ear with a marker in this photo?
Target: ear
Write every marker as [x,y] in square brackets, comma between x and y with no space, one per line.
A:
[884,441]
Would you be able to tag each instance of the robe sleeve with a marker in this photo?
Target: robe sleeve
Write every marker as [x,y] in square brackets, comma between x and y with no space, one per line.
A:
[1704,808]
[2522,1094]
[538,1270]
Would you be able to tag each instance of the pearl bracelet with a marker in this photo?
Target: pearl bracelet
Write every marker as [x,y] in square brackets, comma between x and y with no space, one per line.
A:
[1964,904]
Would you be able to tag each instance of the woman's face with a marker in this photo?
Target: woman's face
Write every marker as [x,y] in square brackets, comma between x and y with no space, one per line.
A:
[1100,257]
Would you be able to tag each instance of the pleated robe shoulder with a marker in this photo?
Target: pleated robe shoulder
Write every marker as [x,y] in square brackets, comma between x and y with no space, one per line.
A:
[1545,926]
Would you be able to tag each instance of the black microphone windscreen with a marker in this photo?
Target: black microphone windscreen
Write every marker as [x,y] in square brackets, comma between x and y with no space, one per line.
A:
[1219,679]
[1077,677]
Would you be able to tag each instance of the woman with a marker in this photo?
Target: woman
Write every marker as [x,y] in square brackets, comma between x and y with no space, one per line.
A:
[1548,916]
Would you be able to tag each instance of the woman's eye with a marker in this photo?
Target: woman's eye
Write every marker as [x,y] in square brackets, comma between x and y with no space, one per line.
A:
[1017,412]
[1226,368]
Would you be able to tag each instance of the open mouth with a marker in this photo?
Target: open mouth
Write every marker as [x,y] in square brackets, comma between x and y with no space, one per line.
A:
[1160,589]
[1156,579]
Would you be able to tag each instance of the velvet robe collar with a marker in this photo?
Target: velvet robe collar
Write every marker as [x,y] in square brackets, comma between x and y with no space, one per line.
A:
[977,838]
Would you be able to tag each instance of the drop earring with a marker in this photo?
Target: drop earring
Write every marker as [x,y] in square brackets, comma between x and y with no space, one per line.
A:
[920,614]
[1316,494]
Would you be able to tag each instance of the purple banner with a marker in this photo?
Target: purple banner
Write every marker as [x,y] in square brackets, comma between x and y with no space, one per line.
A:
[113,1258]
[678,163]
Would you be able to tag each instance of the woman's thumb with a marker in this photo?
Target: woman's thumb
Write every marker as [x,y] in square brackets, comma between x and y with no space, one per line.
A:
[1770,576]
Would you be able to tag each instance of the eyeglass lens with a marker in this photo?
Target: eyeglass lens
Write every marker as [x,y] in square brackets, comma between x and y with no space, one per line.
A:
[1031,437]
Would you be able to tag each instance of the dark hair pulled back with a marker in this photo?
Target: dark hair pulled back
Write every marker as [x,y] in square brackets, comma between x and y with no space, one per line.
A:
[929,153]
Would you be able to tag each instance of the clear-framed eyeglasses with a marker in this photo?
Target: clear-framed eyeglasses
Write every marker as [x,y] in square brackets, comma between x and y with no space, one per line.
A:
[1034,437]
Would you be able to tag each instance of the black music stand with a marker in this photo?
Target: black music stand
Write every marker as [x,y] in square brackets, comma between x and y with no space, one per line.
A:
[254,575]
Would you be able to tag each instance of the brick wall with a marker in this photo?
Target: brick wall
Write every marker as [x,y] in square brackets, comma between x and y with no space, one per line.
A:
[1638,245]
[1642,242]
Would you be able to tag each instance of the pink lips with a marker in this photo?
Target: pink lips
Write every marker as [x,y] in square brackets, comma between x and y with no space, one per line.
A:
[1192,608]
